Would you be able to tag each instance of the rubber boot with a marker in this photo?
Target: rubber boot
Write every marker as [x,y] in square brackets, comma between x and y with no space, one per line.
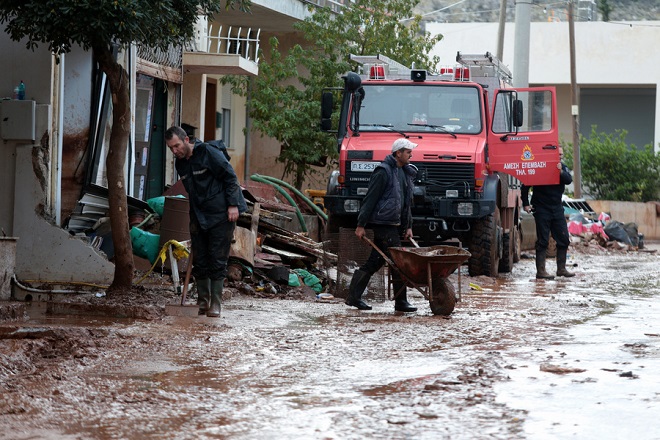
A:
[541,274]
[358,284]
[216,298]
[203,294]
[561,264]
[401,303]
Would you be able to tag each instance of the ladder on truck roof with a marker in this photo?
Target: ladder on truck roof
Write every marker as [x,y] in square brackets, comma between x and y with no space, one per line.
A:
[394,67]
[485,65]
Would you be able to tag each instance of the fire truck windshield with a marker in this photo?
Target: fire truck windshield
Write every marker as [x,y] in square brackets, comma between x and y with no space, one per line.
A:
[420,108]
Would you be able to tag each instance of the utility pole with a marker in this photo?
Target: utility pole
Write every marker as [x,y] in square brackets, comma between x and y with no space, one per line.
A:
[500,31]
[521,43]
[577,166]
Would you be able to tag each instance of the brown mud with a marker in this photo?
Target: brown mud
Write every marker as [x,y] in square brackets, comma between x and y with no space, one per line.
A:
[518,359]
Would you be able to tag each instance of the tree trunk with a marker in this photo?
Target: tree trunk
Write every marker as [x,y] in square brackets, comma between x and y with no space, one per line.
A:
[119,135]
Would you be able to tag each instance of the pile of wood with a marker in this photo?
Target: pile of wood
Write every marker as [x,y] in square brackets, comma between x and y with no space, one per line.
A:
[276,250]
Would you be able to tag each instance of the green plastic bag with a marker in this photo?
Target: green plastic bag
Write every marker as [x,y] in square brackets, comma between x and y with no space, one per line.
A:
[294,281]
[145,244]
[309,279]
[157,204]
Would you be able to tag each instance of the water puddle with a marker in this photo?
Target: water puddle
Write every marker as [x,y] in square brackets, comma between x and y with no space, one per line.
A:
[600,378]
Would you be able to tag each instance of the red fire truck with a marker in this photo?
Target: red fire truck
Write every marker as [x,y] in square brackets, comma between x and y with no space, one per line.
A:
[478,139]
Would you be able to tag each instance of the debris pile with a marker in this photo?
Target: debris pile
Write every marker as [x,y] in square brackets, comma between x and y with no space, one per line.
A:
[274,254]
[604,232]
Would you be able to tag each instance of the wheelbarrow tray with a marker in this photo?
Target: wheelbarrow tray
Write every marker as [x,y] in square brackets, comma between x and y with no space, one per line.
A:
[415,263]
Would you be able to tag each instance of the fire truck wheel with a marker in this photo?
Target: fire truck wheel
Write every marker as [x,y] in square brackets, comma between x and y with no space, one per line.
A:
[517,249]
[508,248]
[443,298]
[485,246]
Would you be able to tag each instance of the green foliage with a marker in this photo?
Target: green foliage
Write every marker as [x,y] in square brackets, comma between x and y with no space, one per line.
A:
[285,97]
[614,170]
[100,23]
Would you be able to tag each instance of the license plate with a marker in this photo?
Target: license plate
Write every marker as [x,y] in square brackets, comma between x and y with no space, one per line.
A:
[364,166]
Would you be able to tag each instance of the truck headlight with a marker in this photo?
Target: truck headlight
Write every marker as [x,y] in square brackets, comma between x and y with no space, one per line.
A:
[451,193]
[465,209]
[352,205]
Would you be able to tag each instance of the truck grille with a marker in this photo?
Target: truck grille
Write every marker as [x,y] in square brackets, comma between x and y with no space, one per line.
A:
[439,177]
[357,179]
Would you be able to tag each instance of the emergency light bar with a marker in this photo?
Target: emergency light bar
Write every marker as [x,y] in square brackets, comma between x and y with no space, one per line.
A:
[455,73]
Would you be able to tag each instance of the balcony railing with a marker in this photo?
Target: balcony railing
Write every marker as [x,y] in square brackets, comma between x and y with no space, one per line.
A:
[236,41]
[227,40]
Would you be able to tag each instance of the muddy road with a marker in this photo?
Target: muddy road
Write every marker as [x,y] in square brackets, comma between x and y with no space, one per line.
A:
[521,359]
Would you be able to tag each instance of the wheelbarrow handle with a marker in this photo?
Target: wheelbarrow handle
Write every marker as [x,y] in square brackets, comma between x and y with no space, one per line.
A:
[393,266]
[382,254]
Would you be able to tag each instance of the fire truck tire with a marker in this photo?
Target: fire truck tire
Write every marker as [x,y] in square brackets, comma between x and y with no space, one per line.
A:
[485,246]
[443,299]
[508,249]
[517,249]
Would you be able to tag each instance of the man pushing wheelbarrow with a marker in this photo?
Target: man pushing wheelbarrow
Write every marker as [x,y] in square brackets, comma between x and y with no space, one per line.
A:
[386,208]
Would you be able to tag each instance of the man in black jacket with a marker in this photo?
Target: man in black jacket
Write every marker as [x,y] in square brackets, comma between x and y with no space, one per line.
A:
[216,201]
[549,216]
[386,209]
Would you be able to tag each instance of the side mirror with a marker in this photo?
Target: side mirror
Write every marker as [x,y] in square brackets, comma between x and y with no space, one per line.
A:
[326,111]
[517,113]
[352,81]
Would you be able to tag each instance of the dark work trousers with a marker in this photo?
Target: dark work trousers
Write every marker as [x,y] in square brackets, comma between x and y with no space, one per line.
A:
[551,220]
[385,236]
[210,249]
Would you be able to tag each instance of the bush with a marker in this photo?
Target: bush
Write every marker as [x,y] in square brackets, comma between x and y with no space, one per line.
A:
[614,170]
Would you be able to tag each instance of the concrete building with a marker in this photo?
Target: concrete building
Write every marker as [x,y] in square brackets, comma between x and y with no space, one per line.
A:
[53,188]
[616,70]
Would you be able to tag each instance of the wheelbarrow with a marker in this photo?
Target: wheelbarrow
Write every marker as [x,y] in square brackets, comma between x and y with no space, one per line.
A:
[427,269]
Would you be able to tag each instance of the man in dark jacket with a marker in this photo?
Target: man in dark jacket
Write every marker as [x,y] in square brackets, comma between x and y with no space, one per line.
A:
[216,201]
[549,216]
[386,209]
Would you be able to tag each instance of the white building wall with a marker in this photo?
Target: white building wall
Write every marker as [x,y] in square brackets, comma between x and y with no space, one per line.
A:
[607,54]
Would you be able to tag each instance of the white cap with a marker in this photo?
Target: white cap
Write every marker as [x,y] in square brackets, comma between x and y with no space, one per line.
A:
[402,143]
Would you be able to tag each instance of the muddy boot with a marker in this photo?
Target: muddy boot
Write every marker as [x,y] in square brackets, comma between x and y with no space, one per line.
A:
[401,303]
[541,274]
[216,298]
[561,264]
[358,284]
[203,294]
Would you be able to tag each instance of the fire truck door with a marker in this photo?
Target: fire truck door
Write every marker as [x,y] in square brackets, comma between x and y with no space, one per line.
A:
[529,152]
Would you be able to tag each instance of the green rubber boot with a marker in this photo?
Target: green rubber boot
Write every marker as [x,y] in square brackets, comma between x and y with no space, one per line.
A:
[216,298]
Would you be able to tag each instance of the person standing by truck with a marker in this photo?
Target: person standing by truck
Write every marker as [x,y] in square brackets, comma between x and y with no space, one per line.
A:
[216,201]
[386,208]
[549,217]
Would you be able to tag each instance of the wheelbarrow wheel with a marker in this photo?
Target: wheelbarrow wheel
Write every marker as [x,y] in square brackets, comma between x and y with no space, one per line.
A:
[443,299]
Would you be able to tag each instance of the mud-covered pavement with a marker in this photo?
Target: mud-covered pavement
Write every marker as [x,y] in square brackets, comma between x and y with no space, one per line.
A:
[522,359]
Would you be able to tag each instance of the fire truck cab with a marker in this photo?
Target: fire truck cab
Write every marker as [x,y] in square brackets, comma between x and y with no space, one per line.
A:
[478,140]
